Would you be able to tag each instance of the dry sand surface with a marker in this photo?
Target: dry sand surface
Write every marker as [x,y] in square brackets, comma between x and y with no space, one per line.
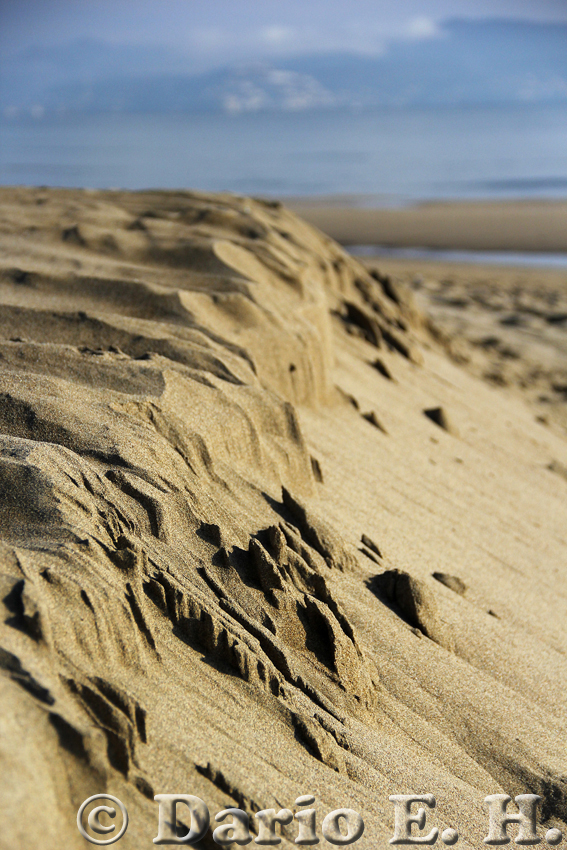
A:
[507,325]
[473,225]
[238,558]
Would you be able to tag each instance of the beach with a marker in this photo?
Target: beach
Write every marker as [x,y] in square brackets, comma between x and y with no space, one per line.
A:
[495,225]
[276,520]
[504,322]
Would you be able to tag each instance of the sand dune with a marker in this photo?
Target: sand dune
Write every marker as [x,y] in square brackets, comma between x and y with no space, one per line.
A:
[260,536]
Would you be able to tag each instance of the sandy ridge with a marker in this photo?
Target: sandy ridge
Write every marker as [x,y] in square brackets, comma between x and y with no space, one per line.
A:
[222,511]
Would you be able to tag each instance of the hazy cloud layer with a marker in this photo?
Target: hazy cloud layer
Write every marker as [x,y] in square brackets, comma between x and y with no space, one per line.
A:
[211,33]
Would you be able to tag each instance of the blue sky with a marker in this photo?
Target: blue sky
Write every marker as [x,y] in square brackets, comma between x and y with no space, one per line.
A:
[213,32]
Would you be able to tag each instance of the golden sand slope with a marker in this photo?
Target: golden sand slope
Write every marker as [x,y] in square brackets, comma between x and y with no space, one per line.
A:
[238,560]
[507,325]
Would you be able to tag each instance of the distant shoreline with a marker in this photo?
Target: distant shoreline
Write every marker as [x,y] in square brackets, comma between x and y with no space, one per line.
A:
[524,259]
[522,226]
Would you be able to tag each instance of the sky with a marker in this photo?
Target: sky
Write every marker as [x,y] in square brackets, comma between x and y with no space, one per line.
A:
[215,32]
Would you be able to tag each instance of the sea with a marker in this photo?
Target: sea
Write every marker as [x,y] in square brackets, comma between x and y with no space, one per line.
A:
[378,158]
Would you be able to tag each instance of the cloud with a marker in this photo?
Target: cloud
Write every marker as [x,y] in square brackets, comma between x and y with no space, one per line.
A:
[276,34]
[422,27]
[257,88]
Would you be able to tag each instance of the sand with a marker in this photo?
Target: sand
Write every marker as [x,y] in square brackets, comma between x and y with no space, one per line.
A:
[505,324]
[537,225]
[261,535]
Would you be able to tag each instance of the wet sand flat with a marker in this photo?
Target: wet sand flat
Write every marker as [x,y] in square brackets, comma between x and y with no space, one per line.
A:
[467,225]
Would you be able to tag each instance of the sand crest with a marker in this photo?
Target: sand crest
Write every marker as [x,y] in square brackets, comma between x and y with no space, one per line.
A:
[237,559]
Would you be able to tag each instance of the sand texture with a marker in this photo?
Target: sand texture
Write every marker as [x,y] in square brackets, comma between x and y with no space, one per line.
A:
[259,535]
[507,325]
[468,225]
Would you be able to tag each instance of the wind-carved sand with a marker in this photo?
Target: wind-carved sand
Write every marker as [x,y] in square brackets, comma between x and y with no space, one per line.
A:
[507,325]
[257,540]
